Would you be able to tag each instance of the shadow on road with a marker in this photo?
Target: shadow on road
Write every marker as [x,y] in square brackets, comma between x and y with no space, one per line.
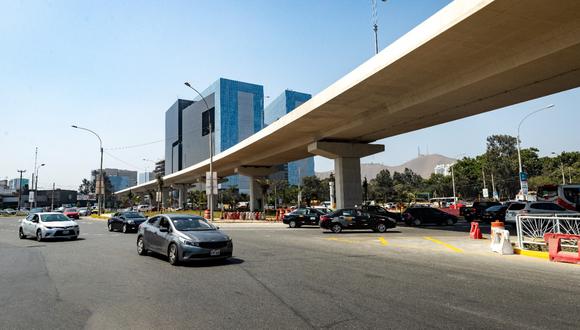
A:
[201,263]
[354,231]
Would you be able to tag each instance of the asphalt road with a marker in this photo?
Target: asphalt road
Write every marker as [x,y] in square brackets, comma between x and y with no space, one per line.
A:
[281,278]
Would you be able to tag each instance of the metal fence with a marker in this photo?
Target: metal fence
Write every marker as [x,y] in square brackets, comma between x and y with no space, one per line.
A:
[531,228]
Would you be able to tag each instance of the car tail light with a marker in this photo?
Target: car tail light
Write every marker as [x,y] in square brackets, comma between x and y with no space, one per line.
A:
[324,218]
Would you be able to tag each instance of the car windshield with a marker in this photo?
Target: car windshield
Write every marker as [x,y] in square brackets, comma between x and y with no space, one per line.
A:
[70,210]
[516,207]
[133,215]
[53,217]
[190,224]
[494,208]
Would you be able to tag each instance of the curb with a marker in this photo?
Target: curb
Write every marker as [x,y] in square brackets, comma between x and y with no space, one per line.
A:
[533,254]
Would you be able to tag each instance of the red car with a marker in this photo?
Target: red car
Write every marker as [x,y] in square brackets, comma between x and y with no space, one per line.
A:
[72,213]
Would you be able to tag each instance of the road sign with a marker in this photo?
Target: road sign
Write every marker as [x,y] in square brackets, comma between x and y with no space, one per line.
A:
[523,176]
[31,196]
[524,187]
[211,181]
[158,196]
[485,193]
[99,187]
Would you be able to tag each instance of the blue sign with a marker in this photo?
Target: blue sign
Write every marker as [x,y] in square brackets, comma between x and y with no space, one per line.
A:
[523,176]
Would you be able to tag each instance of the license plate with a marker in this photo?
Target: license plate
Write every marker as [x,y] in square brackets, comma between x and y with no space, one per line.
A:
[65,232]
[214,252]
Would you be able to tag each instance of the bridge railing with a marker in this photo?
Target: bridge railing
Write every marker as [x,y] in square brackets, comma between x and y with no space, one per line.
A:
[531,228]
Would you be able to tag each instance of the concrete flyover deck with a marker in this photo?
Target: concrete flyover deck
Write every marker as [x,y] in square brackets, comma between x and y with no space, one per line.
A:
[469,58]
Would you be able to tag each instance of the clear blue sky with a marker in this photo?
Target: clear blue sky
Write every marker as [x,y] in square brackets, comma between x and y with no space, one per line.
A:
[116,66]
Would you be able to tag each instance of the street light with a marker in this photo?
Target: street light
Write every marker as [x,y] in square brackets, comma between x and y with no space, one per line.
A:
[36,185]
[519,150]
[210,135]
[101,191]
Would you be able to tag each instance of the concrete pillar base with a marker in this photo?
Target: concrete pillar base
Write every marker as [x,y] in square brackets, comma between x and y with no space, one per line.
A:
[347,175]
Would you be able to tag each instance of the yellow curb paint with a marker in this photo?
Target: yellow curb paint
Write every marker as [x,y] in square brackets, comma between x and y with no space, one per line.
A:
[383,241]
[533,254]
[449,246]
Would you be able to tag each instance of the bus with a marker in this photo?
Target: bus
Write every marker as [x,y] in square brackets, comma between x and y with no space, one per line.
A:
[565,195]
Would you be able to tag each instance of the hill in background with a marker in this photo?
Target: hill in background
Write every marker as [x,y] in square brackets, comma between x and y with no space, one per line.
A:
[423,165]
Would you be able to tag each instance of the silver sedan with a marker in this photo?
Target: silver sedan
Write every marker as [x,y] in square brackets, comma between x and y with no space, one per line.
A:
[183,238]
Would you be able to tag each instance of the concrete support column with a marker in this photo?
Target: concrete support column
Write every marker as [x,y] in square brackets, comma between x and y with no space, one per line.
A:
[165,198]
[256,172]
[182,199]
[347,175]
[256,196]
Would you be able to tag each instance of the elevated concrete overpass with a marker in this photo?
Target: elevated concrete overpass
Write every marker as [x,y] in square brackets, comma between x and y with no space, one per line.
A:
[469,58]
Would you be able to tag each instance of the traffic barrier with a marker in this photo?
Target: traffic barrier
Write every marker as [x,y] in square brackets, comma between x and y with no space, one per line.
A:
[475,231]
[500,239]
[555,248]
[206,214]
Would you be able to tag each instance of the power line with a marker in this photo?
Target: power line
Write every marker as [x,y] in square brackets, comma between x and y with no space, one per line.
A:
[122,161]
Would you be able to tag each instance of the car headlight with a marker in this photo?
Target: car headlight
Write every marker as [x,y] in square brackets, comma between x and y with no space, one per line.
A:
[130,222]
[187,242]
[49,227]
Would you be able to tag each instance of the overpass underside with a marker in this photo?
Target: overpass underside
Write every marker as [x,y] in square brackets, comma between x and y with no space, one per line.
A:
[471,57]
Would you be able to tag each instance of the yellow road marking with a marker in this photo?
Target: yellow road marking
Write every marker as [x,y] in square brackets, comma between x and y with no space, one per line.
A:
[383,241]
[449,246]
[340,240]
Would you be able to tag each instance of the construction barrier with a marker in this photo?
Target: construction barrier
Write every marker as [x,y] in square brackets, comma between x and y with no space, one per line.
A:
[500,239]
[475,231]
[206,214]
[554,242]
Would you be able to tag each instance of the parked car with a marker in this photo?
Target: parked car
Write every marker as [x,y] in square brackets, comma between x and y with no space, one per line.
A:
[83,212]
[48,225]
[356,219]
[183,237]
[303,216]
[36,210]
[475,212]
[494,213]
[531,208]
[376,209]
[126,221]
[71,213]
[10,211]
[423,215]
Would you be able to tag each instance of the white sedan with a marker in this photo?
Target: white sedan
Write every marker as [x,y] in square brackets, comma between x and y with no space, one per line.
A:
[48,225]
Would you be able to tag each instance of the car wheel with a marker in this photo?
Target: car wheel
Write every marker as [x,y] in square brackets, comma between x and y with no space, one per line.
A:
[110,226]
[450,221]
[173,255]
[39,235]
[381,228]
[125,229]
[141,250]
[292,224]
[21,234]
[417,222]
[336,228]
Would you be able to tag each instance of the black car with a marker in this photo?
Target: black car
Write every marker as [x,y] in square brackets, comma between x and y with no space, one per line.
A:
[302,216]
[126,221]
[475,212]
[496,212]
[375,209]
[423,215]
[356,219]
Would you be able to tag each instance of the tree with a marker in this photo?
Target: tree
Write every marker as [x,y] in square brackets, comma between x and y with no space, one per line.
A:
[312,189]
[381,187]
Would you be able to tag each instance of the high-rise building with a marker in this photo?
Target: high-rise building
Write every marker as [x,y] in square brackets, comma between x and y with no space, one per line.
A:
[120,179]
[145,177]
[235,110]
[14,184]
[283,104]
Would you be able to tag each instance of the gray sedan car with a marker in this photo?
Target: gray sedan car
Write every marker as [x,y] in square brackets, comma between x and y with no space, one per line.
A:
[183,237]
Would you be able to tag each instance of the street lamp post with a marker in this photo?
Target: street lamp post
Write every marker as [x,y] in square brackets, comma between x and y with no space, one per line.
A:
[519,149]
[20,188]
[210,196]
[36,185]
[101,183]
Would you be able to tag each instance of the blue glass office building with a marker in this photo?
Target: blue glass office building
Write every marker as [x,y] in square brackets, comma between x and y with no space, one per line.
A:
[283,104]
[237,109]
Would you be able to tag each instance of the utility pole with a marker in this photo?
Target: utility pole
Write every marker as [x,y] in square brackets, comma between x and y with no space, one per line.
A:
[52,201]
[20,188]
[375,22]
[563,177]
[492,186]
[299,188]
[483,176]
